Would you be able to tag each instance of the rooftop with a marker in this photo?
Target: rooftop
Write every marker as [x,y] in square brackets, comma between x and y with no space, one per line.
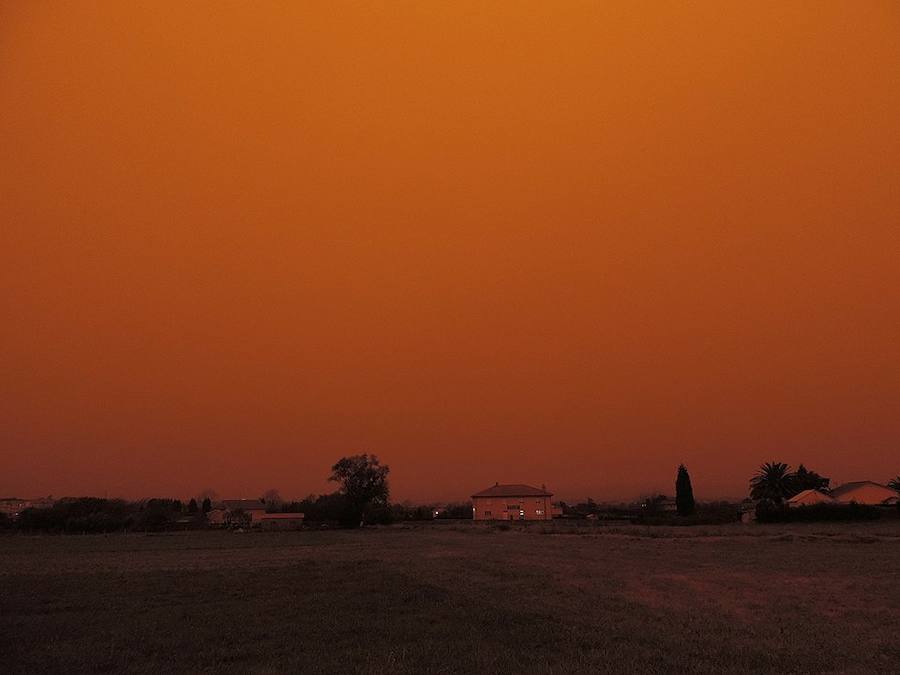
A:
[820,494]
[513,490]
[856,485]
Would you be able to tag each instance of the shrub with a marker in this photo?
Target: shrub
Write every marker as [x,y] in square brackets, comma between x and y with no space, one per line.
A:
[379,514]
[767,512]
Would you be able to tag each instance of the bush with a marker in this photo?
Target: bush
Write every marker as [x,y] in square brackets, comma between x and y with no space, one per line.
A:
[767,512]
[92,514]
[82,514]
[379,514]
[461,511]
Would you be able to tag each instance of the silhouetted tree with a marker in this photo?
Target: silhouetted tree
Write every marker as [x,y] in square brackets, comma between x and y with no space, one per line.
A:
[804,479]
[272,499]
[684,492]
[772,482]
[894,483]
[363,485]
[207,505]
[192,506]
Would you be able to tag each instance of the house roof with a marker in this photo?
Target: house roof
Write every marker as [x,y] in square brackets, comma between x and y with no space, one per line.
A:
[855,485]
[845,492]
[245,504]
[811,495]
[513,490]
[282,516]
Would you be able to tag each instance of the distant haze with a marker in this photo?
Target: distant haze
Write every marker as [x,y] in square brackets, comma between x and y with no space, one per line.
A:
[527,242]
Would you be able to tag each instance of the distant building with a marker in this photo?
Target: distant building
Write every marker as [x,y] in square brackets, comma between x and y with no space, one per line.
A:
[747,509]
[512,502]
[216,515]
[668,505]
[865,492]
[809,498]
[237,512]
[13,506]
[659,504]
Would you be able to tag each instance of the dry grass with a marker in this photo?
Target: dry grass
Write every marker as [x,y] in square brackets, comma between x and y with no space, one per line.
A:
[445,598]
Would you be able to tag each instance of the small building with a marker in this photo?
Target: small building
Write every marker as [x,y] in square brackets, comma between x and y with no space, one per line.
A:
[747,509]
[216,515]
[247,512]
[809,498]
[512,502]
[865,492]
[280,521]
[13,506]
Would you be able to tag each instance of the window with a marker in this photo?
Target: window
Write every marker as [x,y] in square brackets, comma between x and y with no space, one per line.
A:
[539,512]
[487,514]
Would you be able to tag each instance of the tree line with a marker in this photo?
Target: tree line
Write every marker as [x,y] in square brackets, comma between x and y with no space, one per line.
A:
[363,498]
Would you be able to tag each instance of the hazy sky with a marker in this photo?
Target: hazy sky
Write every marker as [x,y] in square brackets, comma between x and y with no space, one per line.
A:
[547,242]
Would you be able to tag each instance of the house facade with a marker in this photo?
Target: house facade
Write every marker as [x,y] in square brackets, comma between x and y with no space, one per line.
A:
[512,502]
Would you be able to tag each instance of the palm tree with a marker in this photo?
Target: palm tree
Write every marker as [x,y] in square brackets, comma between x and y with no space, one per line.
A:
[894,483]
[773,482]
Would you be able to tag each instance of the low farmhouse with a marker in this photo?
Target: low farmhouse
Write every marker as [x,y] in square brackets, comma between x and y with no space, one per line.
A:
[810,498]
[237,512]
[865,492]
[512,502]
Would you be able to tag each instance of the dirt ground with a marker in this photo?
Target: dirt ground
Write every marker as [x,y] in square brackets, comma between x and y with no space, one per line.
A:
[457,598]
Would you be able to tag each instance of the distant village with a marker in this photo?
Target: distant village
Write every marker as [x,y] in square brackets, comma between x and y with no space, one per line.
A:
[777,494]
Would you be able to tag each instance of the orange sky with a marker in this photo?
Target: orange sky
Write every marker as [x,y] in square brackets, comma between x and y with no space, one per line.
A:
[564,243]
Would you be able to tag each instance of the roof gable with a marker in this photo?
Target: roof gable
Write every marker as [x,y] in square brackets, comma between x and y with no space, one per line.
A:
[811,496]
[863,491]
[857,485]
[513,490]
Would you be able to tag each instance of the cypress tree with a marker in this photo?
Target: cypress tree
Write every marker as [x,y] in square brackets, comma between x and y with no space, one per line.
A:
[684,493]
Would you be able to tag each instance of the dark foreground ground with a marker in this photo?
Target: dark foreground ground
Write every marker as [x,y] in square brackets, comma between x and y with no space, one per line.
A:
[456,598]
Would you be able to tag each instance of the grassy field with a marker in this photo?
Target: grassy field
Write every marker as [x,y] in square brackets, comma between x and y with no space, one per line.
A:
[449,598]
